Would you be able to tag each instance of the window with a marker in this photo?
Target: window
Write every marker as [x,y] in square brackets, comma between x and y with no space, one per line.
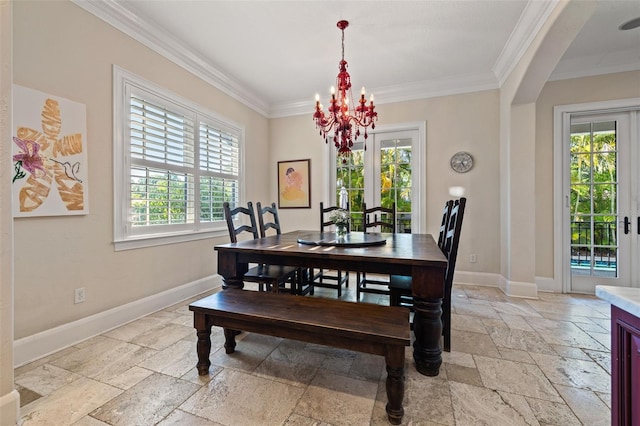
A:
[175,165]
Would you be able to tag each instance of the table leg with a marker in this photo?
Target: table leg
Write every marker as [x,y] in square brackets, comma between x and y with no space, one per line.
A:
[427,327]
[231,270]
[394,359]
[229,340]
[232,283]
[203,330]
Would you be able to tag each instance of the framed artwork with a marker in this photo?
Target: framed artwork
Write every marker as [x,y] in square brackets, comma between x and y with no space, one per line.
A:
[294,184]
[50,174]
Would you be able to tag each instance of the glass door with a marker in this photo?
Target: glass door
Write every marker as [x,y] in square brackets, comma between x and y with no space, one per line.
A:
[380,175]
[600,207]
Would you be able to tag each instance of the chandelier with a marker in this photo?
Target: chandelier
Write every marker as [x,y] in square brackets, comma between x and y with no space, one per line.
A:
[344,119]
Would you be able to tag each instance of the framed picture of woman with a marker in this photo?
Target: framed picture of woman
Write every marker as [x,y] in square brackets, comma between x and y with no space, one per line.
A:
[294,184]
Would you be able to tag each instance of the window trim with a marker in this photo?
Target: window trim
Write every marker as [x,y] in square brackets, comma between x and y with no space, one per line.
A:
[123,238]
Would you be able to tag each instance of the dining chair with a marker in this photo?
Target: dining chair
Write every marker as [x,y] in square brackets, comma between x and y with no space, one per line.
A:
[337,279]
[384,219]
[268,219]
[400,286]
[274,277]
[405,298]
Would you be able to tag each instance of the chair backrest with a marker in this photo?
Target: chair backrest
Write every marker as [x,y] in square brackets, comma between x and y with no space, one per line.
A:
[380,216]
[446,212]
[452,238]
[275,220]
[324,216]
[229,213]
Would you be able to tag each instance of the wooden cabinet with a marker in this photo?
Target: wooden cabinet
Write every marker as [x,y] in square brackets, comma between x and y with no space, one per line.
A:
[625,368]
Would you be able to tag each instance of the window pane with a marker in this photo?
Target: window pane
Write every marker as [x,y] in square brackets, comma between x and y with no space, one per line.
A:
[396,180]
[213,193]
[581,230]
[351,176]
[604,199]
[581,168]
[160,197]
[604,164]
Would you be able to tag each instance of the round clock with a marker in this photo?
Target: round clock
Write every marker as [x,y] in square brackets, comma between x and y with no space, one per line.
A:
[461,162]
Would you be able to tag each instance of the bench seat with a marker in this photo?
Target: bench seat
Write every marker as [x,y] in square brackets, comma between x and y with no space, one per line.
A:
[361,327]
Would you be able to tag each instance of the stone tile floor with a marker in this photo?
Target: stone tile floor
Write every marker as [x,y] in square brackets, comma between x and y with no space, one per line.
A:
[513,362]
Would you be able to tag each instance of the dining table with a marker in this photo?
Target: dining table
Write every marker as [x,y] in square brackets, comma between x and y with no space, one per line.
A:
[415,255]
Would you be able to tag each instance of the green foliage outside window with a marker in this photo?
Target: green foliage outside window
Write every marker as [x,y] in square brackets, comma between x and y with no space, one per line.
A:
[593,188]
[395,184]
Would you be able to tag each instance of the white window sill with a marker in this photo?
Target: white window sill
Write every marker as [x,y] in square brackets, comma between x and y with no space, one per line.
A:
[142,241]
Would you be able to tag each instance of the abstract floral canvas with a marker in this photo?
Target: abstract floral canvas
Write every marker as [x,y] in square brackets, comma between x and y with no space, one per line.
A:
[49,155]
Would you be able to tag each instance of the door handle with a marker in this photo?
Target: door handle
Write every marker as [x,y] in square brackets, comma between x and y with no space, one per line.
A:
[627,225]
[638,228]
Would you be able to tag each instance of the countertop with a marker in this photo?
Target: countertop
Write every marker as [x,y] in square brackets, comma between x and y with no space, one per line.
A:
[625,298]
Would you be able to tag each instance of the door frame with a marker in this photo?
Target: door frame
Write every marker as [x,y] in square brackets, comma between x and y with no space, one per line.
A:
[561,130]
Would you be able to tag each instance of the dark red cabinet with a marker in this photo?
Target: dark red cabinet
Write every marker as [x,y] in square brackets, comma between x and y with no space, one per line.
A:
[625,368]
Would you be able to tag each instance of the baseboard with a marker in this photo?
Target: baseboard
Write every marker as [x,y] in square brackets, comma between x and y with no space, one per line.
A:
[10,408]
[548,285]
[521,289]
[477,278]
[49,341]
[510,288]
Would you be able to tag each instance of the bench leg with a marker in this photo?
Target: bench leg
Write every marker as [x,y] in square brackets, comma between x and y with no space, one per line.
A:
[394,359]
[230,340]
[203,330]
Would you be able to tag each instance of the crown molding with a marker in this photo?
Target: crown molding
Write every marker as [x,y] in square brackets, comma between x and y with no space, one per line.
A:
[118,15]
[402,92]
[533,17]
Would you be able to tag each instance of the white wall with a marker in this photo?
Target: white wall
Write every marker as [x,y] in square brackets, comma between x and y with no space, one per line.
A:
[566,92]
[9,397]
[466,122]
[63,50]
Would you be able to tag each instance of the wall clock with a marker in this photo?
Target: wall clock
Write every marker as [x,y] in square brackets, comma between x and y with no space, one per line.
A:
[461,162]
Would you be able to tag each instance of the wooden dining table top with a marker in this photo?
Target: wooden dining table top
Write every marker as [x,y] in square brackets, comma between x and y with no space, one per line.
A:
[399,249]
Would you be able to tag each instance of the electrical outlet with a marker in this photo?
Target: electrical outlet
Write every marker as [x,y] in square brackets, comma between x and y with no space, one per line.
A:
[473,258]
[79,295]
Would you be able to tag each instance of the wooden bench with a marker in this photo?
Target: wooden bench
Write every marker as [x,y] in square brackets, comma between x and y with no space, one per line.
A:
[362,327]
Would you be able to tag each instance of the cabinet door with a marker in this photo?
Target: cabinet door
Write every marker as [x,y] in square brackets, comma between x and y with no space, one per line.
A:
[634,390]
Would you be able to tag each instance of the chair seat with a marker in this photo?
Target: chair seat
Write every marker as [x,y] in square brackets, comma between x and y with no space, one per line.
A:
[400,282]
[273,276]
[270,272]
[400,291]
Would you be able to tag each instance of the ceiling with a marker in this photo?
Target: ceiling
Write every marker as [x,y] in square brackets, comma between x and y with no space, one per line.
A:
[274,56]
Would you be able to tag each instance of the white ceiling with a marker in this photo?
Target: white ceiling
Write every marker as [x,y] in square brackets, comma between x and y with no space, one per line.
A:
[275,56]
